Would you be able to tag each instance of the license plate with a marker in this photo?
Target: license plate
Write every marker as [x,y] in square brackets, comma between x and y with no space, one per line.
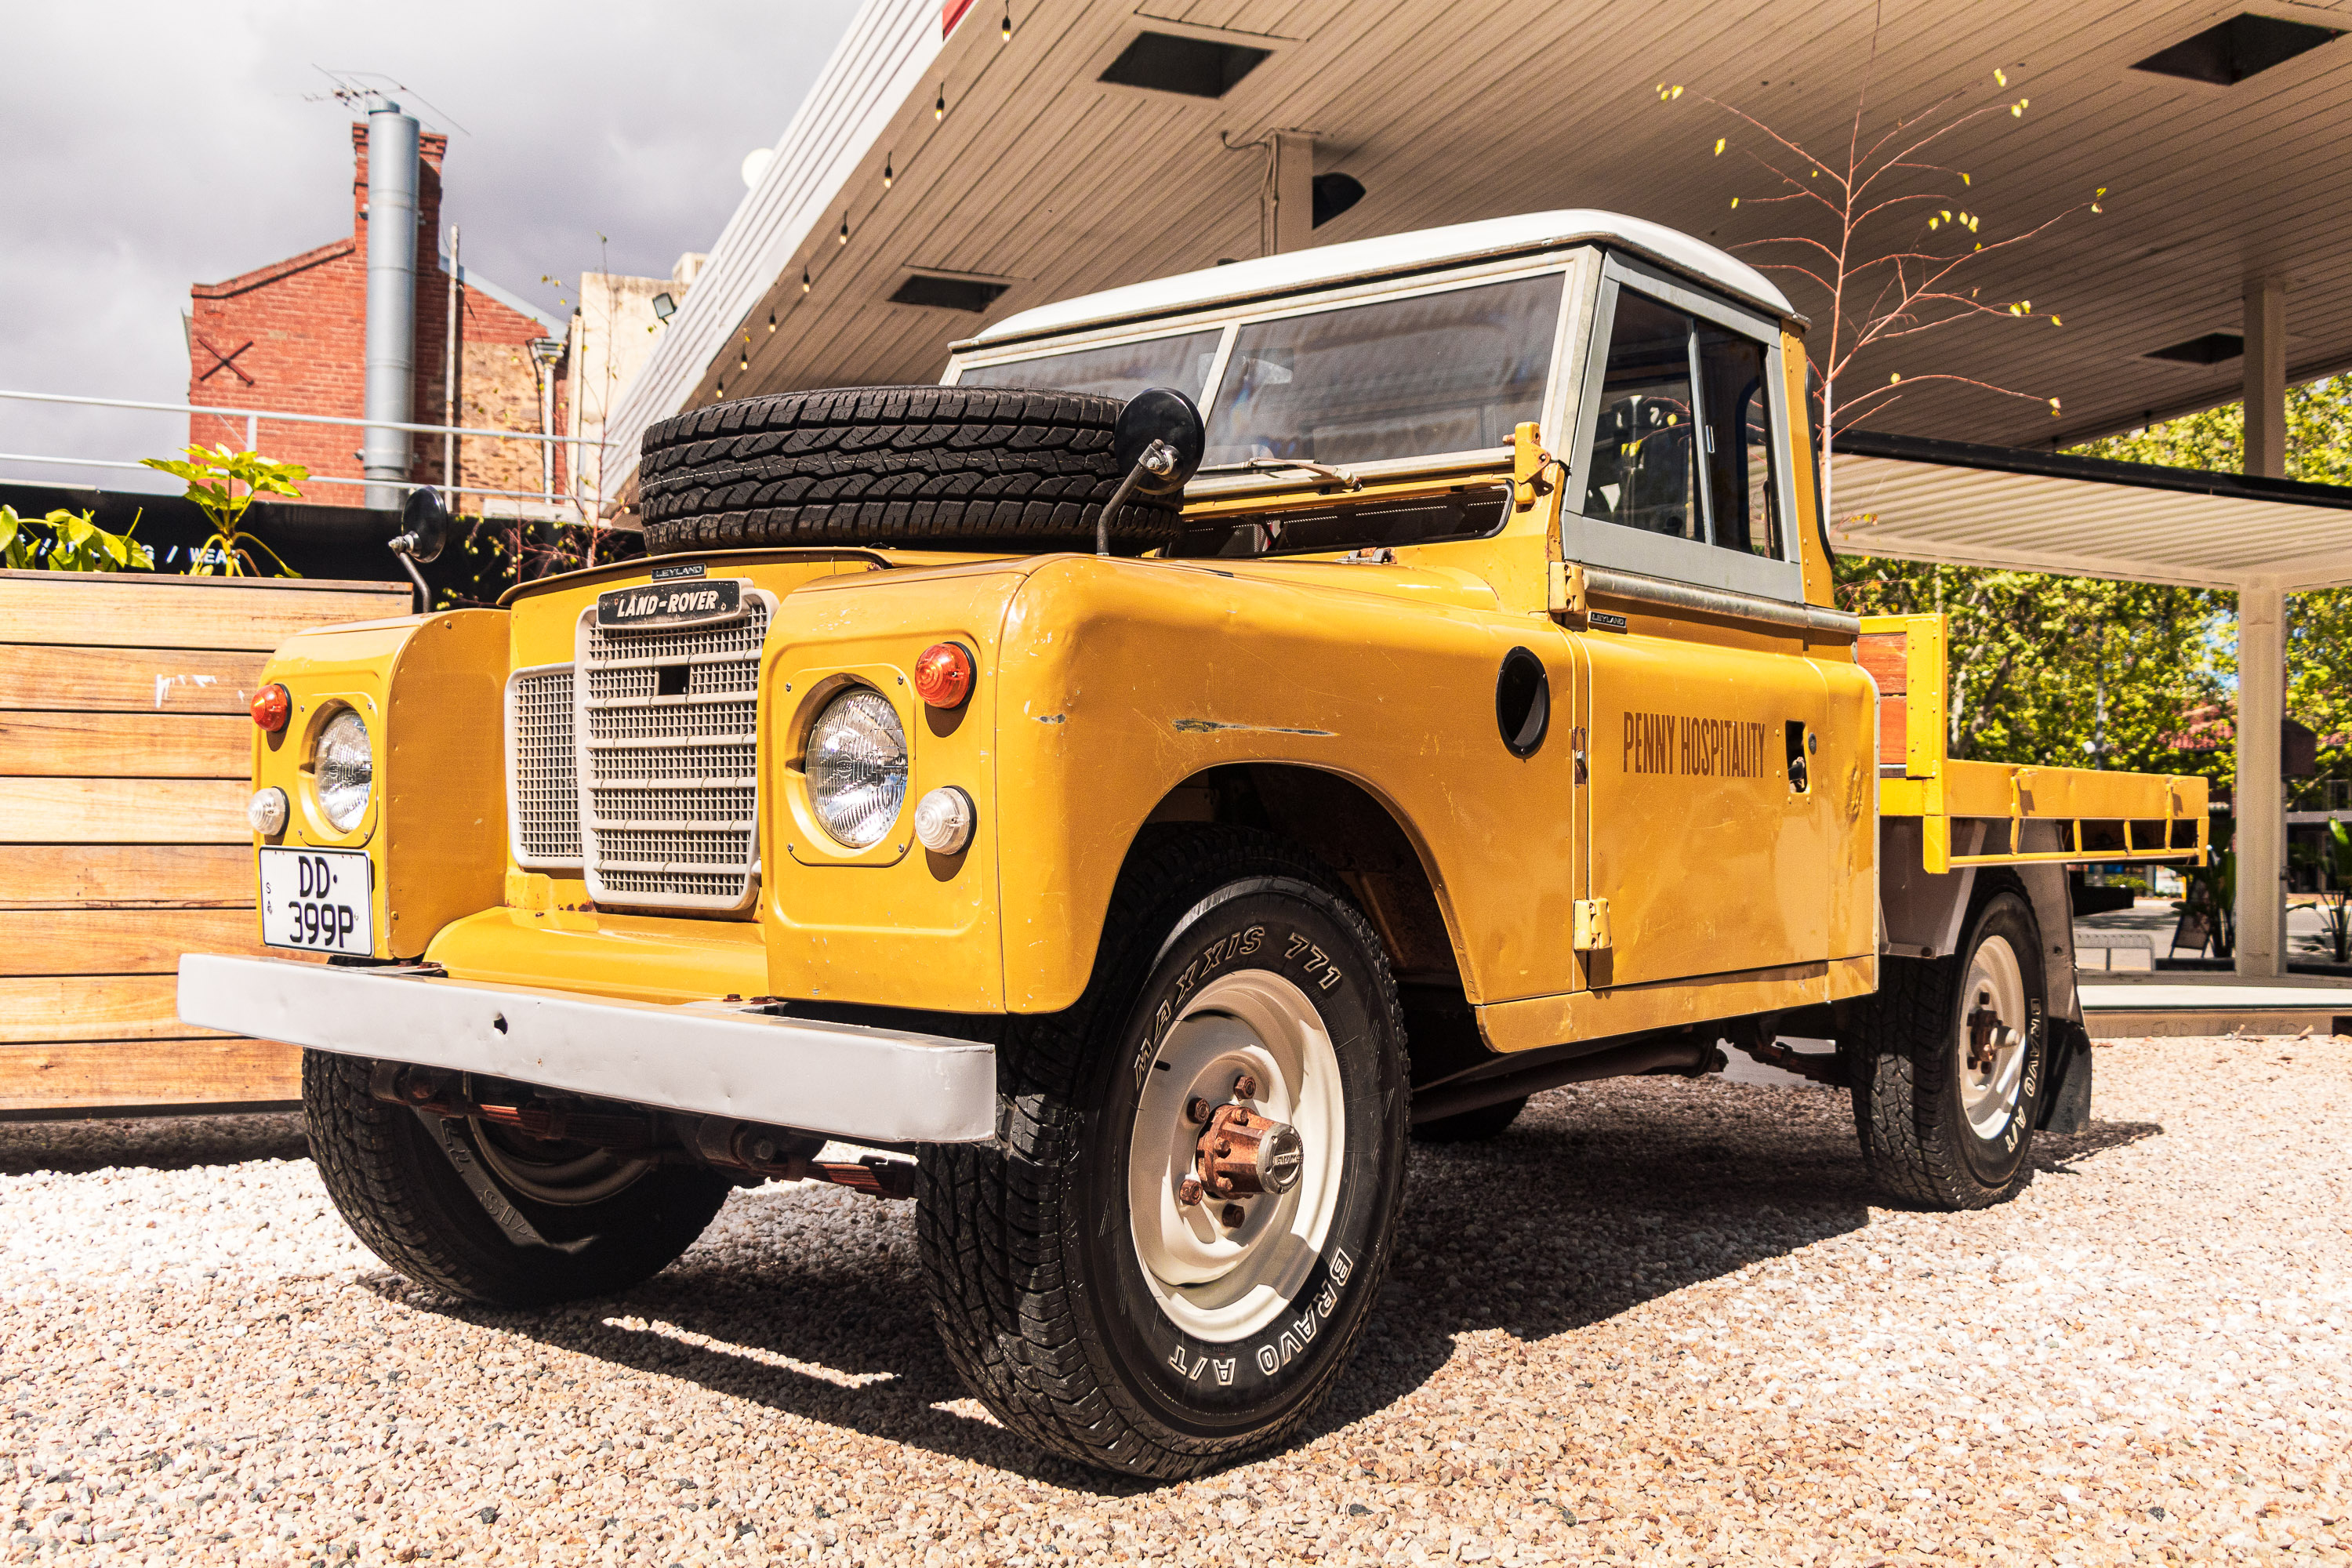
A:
[317,900]
[686,603]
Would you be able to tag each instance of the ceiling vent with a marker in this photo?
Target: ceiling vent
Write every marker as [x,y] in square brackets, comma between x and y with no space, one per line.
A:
[2240,47]
[2210,349]
[1197,68]
[972,294]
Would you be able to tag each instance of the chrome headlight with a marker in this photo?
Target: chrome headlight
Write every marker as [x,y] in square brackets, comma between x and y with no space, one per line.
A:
[343,770]
[857,767]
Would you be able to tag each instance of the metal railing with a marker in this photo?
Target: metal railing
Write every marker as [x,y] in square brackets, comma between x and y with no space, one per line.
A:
[254,416]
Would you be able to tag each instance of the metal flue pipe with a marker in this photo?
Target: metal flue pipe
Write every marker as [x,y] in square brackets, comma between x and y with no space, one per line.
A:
[391,298]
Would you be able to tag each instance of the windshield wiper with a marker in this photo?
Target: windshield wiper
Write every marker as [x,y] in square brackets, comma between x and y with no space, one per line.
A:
[1275,465]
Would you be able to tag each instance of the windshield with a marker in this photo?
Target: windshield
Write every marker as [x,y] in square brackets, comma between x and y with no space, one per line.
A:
[1120,371]
[1451,372]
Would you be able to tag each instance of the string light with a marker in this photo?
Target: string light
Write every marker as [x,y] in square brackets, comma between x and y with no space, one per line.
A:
[845,228]
[888,173]
[771,321]
[1008,21]
[939,109]
[806,283]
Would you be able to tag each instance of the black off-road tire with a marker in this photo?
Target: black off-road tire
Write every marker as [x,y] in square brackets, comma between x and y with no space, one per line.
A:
[1917,1140]
[404,1200]
[1471,1126]
[949,467]
[1026,1243]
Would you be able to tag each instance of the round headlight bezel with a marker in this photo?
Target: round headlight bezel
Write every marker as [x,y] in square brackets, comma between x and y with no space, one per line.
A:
[341,776]
[857,811]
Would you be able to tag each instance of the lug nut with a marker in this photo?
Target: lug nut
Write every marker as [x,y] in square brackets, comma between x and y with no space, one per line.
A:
[1234,1216]
[1198,1110]
[1224,1148]
[1189,1192]
[1245,1087]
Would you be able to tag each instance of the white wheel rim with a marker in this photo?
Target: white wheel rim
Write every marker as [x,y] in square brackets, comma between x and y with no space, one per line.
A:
[1992,1071]
[1215,1284]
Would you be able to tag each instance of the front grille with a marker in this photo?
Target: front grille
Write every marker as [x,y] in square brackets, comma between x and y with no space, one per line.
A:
[544,767]
[668,796]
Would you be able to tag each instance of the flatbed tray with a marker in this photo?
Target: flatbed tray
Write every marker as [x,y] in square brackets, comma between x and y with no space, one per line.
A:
[2099,816]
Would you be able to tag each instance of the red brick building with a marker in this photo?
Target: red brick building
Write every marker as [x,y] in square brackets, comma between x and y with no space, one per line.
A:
[292,337]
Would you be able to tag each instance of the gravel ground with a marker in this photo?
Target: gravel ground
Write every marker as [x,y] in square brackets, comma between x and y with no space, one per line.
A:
[1657,1321]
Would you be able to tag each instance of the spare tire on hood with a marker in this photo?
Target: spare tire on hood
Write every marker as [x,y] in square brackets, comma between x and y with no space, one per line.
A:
[936,468]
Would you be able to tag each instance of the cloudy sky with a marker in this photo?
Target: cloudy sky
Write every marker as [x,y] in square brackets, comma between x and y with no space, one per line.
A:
[147,145]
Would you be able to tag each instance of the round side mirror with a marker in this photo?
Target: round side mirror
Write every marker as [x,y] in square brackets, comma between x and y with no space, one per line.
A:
[424,524]
[1163,414]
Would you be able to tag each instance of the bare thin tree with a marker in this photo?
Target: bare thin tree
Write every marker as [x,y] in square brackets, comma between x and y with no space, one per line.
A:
[1891,237]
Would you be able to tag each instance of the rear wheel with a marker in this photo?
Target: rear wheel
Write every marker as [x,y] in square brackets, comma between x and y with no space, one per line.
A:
[1167,1260]
[537,1222]
[1951,1066]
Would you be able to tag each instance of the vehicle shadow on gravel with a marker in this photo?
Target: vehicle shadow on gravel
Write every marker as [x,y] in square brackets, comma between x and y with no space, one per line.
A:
[1597,1200]
[149,1143]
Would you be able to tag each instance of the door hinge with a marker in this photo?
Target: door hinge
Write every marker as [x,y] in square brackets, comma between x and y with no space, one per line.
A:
[1591,924]
[1564,588]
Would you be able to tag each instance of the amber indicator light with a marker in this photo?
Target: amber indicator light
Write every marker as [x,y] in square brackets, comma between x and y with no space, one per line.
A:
[272,706]
[943,675]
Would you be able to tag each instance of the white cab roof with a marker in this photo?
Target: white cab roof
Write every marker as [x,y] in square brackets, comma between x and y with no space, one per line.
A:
[1300,271]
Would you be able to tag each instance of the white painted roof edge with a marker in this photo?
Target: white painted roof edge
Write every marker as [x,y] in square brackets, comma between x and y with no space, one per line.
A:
[884,57]
[1298,271]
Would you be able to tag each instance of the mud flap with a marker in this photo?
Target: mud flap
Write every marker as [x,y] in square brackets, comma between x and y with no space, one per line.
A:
[2066,1097]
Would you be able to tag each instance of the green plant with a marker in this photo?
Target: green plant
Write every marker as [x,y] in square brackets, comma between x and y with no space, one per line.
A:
[76,543]
[2213,892]
[2335,882]
[213,475]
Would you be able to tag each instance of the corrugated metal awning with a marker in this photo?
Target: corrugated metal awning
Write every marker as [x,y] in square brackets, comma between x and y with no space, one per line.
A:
[1921,499]
[1014,162]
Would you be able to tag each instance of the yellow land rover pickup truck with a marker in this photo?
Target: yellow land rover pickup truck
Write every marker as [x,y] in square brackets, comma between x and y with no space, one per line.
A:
[1231,726]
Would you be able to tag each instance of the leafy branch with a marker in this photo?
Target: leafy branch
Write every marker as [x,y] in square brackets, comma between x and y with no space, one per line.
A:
[213,475]
[75,543]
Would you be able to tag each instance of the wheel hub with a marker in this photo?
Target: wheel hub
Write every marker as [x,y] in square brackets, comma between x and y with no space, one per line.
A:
[1234,1155]
[1243,1154]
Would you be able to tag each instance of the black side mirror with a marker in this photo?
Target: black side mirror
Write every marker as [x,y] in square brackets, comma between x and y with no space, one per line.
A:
[1156,444]
[424,524]
[1159,415]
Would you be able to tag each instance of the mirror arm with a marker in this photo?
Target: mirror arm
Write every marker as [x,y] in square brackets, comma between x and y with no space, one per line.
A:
[1159,460]
[400,550]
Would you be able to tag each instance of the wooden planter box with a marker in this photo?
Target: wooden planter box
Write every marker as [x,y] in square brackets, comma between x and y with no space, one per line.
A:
[125,761]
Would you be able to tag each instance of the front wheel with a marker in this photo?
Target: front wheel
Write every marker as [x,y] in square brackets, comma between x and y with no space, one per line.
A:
[1167,1260]
[1948,1077]
[486,1214]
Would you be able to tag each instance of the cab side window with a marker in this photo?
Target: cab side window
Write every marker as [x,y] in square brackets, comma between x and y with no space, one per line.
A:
[1738,420]
[1683,444]
[1644,475]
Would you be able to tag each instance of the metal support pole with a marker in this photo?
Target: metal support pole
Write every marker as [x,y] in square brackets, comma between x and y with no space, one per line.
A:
[2266,367]
[1293,224]
[2261,809]
[449,381]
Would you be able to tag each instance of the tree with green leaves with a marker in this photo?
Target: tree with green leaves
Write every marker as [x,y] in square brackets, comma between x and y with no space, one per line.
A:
[213,475]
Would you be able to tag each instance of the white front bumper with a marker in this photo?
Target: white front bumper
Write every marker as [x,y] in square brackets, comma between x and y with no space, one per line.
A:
[714,1059]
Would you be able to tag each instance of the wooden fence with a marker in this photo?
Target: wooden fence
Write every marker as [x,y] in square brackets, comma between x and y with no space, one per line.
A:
[125,763]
